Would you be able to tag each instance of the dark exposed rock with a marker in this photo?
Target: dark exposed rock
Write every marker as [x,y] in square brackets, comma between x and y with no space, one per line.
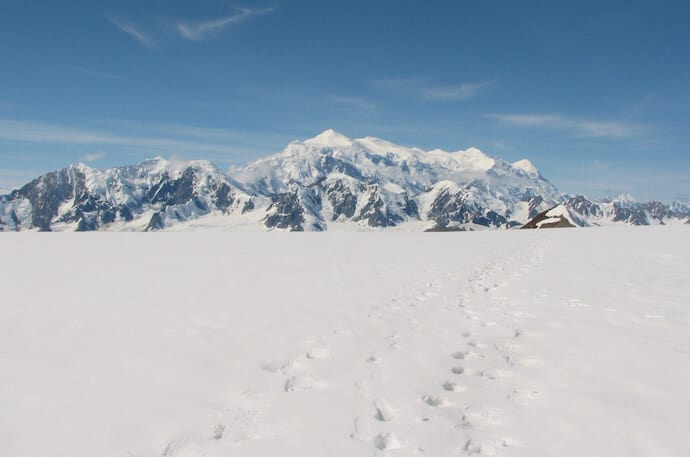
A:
[155,223]
[562,222]
[387,160]
[490,219]
[343,201]
[126,213]
[48,192]
[657,210]
[285,212]
[223,197]
[584,207]
[87,224]
[631,214]
[409,206]
[331,164]
[375,212]
[15,219]
[248,206]
[534,203]
[449,207]
[437,228]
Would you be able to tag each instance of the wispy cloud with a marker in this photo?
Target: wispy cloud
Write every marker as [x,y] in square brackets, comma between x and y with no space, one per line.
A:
[207,134]
[428,92]
[179,141]
[96,73]
[202,29]
[578,127]
[352,102]
[454,93]
[133,31]
[94,156]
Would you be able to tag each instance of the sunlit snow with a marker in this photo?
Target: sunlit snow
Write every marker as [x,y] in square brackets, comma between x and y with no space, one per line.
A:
[511,343]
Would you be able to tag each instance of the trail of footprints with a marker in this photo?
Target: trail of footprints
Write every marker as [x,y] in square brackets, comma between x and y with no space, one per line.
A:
[295,370]
[451,396]
[474,422]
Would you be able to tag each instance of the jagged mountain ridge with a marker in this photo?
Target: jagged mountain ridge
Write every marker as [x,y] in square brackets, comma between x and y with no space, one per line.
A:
[329,181]
[578,211]
[154,191]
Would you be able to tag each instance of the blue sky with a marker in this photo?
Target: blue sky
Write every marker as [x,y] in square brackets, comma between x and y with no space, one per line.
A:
[596,94]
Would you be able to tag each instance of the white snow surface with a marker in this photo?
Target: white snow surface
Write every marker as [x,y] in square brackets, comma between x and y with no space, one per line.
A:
[555,214]
[511,343]
[413,168]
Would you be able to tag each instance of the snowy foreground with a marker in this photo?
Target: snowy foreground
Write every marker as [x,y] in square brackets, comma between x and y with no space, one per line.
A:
[524,343]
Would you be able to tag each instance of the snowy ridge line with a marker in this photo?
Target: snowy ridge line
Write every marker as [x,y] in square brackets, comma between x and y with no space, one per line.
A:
[329,182]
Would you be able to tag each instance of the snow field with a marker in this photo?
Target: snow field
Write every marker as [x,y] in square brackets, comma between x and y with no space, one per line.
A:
[520,343]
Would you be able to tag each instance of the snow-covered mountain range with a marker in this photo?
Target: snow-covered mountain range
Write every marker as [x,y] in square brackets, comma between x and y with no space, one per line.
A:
[324,183]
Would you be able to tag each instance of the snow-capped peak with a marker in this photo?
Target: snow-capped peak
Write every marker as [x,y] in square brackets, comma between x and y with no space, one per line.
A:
[175,166]
[526,166]
[623,198]
[329,138]
[476,158]
[79,166]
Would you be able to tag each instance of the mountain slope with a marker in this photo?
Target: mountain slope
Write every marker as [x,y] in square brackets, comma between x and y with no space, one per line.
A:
[326,182]
[144,197]
[578,211]
[379,184]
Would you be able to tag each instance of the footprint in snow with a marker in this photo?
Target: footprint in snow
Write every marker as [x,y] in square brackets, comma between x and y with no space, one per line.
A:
[465,355]
[218,432]
[493,375]
[279,366]
[476,344]
[452,386]
[318,353]
[462,370]
[386,441]
[472,447]
[301,383]
[383,412]
[435,401]
[523,397]
[472,418]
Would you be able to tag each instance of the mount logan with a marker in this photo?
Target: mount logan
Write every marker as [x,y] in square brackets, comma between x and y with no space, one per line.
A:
[327,182]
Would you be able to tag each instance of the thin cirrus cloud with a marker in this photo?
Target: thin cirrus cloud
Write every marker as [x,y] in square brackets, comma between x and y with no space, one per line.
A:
[351,102]
[577,127]
[94,156]
[201,30]
[133,31]
[36,132]
[425,91]
[454,93]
